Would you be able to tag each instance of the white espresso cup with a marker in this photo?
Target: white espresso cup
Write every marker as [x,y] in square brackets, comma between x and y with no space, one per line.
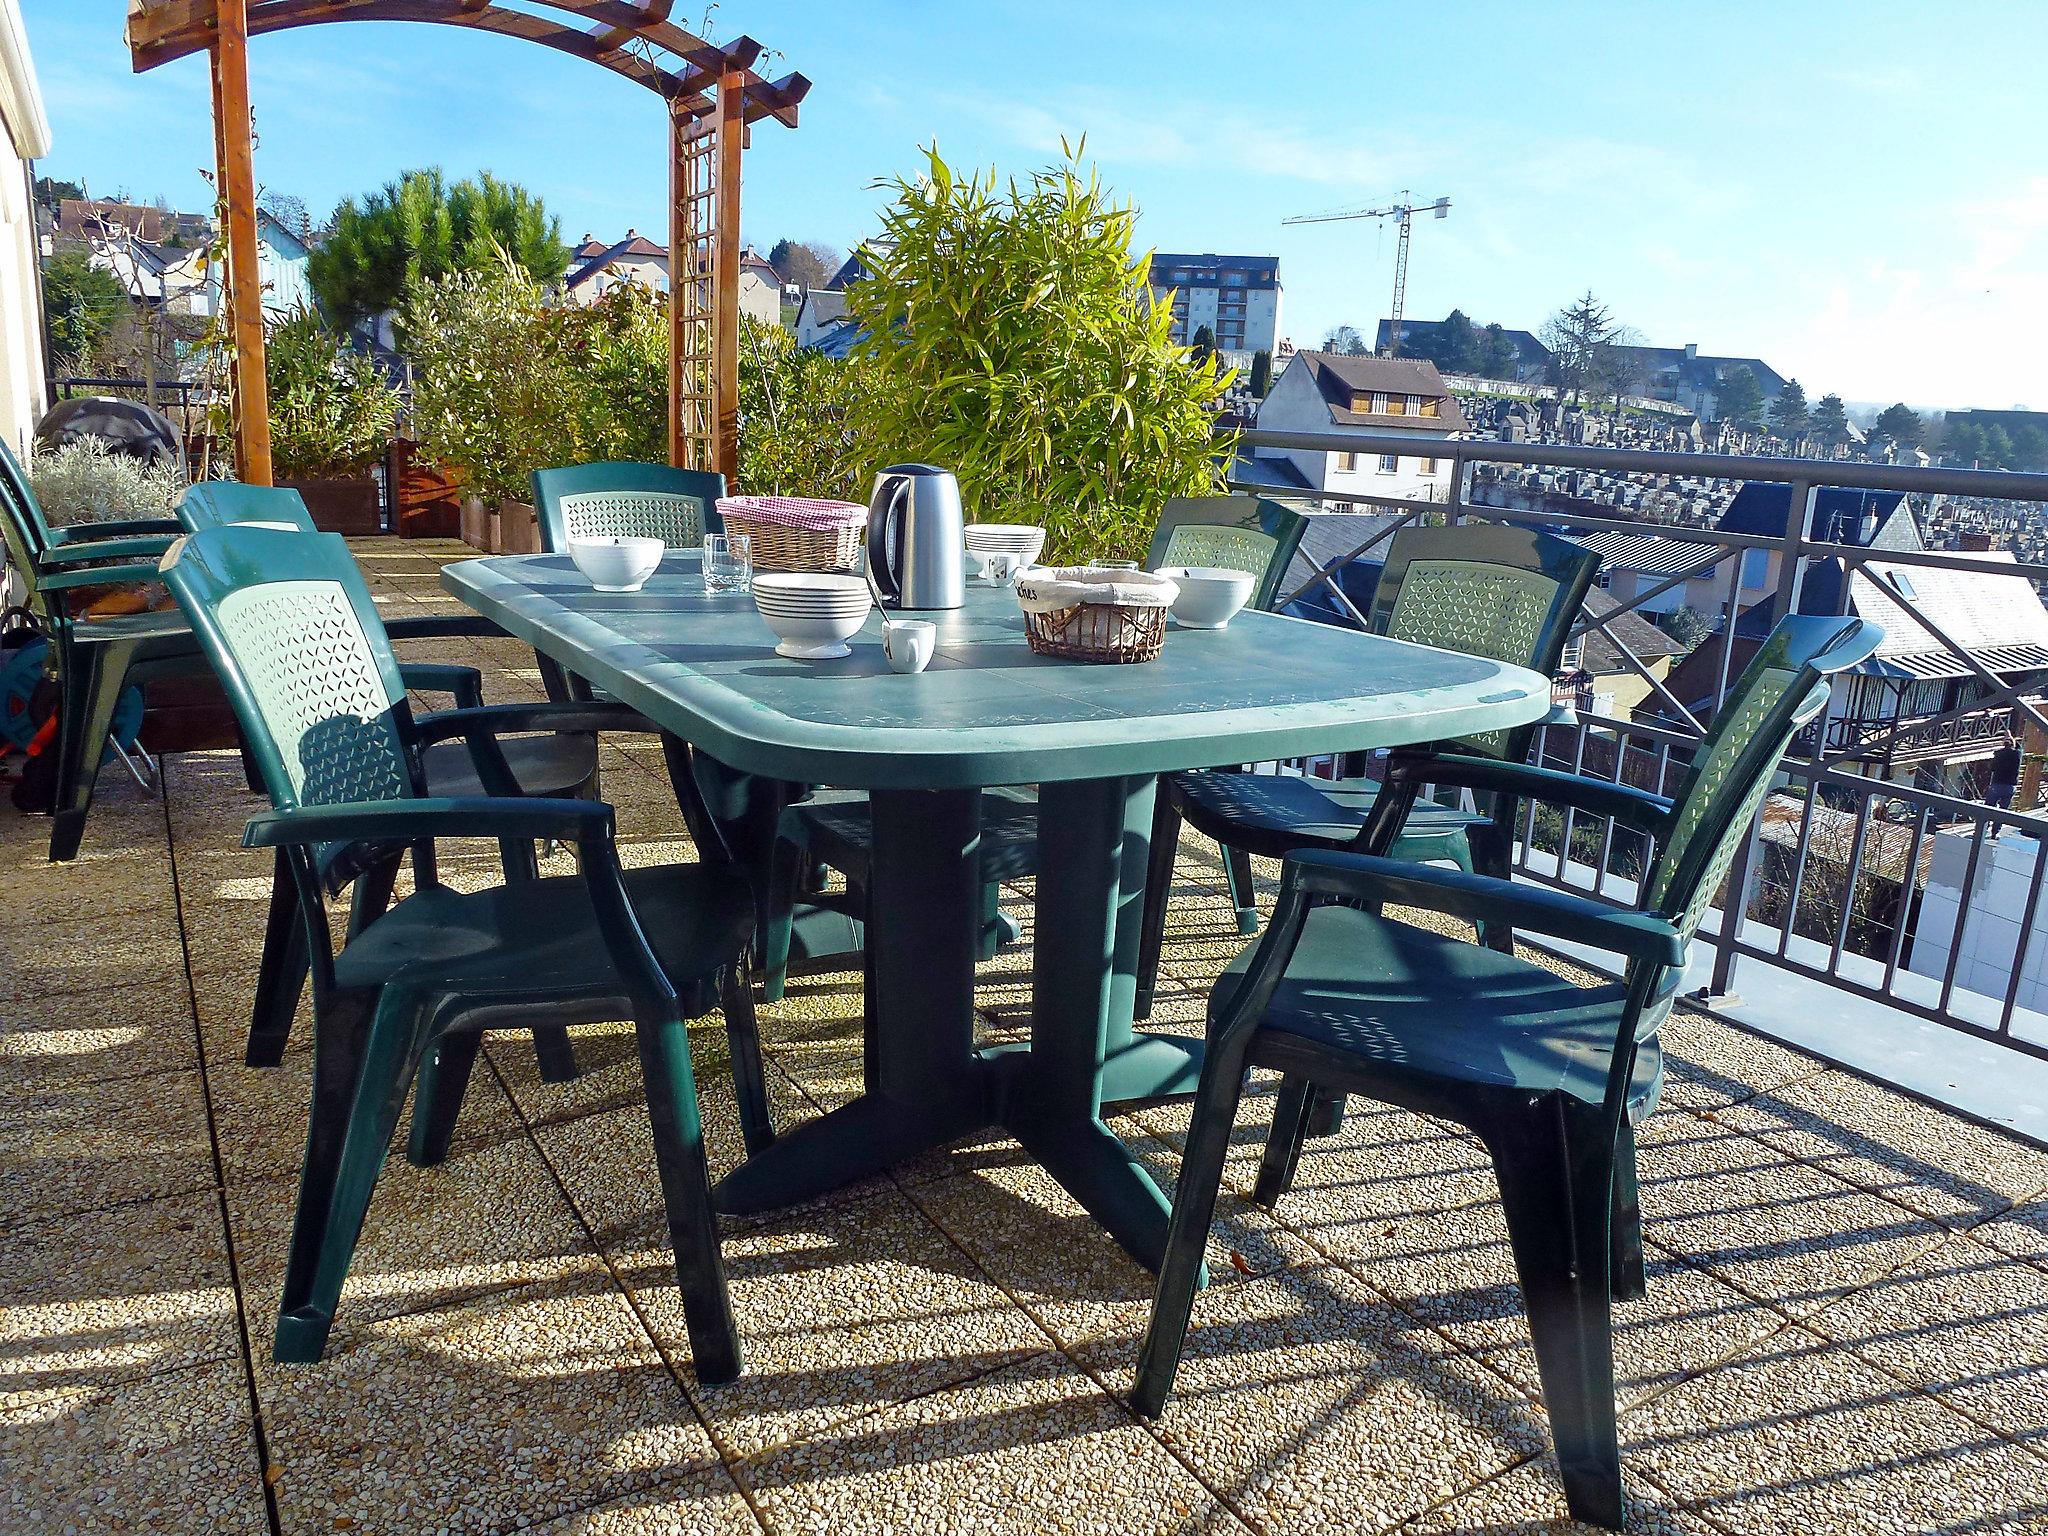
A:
[911,642]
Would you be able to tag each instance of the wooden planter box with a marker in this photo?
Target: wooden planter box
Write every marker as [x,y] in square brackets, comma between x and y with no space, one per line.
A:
[479,524]
[518,529]
[353,506]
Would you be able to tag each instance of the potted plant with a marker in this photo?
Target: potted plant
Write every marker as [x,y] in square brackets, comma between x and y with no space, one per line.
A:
[86,481]
[331,415]
[492,394]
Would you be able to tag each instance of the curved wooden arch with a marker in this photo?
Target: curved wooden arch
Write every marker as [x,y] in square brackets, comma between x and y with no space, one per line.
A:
[712,93]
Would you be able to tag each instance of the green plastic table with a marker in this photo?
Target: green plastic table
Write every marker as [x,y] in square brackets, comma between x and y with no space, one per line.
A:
[989,712]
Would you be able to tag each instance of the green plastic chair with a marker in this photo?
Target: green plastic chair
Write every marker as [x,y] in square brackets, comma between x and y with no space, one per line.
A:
[1508,594]
[558,765]
[96,659]
[622,500]
[1552,1077]
[289,624]
[836,830]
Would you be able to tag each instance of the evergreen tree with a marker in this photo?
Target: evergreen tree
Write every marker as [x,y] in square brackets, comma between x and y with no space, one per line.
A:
[1261,383]
[1788,412]
[1899,423]
[1739,398]
[1456,343]
[81,304]
[807,263]
[419,227]
[1495,356]
[1830,421]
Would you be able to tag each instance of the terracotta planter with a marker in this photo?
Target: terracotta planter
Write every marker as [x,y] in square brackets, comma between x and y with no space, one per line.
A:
[353,506]
[518,529]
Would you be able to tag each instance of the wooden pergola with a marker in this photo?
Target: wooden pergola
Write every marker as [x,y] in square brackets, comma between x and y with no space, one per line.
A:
[713,96]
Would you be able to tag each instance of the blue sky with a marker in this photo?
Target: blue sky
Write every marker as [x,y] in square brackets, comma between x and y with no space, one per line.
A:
[1856,193]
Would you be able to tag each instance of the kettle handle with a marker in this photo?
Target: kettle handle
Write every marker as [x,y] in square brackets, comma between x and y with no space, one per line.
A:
[885,539]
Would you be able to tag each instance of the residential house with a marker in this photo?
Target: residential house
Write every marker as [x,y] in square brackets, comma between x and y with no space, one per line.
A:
[1684,377]
[1236,297]
[821,316]
[1915,712]
[1329,391]
[24,389]
[184,280]
[856,268]
[1595,677]
[597,269]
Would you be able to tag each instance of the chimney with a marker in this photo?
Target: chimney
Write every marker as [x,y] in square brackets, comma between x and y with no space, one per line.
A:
[1975,541]
[1692,351]
[631,233]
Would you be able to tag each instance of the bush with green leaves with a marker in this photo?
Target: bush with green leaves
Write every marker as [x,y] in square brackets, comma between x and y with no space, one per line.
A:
[331,411]
[491,393]
[1013,339]
[802,418]
[85,481]
[82,304]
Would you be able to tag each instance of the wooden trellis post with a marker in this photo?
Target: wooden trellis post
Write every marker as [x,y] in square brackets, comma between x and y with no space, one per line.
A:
[712,94]
[242,283]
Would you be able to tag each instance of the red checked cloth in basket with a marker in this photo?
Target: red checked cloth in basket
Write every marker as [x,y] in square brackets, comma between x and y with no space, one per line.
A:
[795,512]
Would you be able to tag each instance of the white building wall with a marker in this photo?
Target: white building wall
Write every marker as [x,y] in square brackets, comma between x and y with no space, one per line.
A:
[1996,904]
[24,386]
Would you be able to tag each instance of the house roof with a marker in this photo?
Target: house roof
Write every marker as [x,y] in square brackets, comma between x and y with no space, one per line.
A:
[1340,376]
[1527,348]
[80,218]
[753,260]
[822,306]
[1644,640]
[634,245]
[1648,554]
[1872,519]
[1699,370]
[1989,616]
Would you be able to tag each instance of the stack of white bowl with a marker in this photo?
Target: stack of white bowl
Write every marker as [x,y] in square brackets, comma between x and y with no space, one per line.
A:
[813,613]
[1023,541]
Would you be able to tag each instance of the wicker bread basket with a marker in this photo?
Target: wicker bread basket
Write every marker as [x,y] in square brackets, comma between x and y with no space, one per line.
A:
[796,533]
[1085,614]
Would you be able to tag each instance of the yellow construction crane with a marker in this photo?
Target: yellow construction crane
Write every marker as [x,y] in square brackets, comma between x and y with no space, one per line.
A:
[1403,213]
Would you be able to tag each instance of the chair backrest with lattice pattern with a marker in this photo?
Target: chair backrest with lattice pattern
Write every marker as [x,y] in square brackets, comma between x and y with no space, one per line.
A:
[290,626]
[211,503]
[1506,594]
[1781,692]
[1236,533]
[643,501]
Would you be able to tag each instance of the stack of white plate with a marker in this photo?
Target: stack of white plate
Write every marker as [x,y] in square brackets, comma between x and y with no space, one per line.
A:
[1024,540]
[812,613]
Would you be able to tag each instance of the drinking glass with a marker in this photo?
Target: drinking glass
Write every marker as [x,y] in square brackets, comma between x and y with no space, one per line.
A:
[728,562]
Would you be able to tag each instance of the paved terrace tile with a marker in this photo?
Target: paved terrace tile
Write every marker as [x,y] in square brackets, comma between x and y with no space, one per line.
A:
[1847,1327]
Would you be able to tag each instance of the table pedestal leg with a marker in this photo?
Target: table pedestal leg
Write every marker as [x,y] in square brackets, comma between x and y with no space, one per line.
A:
[926,1087]
[1083,975]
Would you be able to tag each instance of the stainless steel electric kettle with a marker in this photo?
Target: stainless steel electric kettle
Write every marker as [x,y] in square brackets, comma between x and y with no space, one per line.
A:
[917,537]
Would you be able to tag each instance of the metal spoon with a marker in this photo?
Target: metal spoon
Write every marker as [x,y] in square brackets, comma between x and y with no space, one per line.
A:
[875,592]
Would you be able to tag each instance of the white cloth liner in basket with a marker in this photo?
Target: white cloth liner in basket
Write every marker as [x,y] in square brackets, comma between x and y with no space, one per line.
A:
[1054,589]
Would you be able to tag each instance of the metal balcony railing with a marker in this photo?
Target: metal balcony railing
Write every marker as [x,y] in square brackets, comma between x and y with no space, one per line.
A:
[1845,877]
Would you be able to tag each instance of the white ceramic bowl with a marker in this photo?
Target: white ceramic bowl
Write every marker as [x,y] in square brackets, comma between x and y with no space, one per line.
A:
[1023,539]
[1210,595]
[616,564]
[813,614]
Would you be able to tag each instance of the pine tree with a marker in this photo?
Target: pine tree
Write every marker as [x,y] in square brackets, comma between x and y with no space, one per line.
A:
[1788,412]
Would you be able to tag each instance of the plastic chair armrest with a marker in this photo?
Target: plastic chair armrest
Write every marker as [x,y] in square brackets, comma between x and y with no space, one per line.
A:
[465,683]
[422,819]
[588,716]
[1636,808]
[1452,892]
[95,576]
[443,626]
